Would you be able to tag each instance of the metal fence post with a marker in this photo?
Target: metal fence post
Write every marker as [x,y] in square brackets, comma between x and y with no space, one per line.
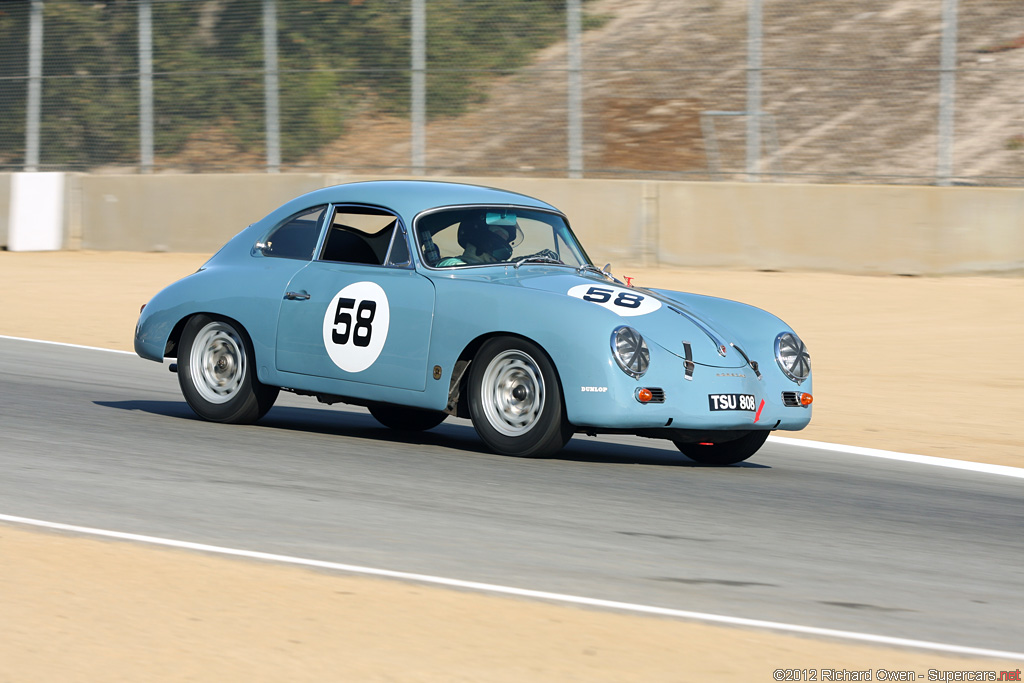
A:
[575,86]
[753,90]
[947,87]
[35,85]
[270,74]
[418,48]
[146,86]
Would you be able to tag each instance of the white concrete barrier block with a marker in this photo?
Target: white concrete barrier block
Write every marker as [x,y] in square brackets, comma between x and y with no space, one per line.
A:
[36,220]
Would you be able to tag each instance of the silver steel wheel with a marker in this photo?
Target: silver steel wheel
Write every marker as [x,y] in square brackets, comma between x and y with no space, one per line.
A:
[512,393]
[217,360]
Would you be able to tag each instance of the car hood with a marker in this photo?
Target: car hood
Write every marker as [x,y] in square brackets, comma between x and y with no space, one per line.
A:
[672,320]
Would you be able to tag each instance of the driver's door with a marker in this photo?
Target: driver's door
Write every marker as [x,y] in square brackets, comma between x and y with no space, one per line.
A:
[358,321]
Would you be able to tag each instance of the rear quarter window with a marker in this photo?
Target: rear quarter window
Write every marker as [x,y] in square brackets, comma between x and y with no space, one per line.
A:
[296,237]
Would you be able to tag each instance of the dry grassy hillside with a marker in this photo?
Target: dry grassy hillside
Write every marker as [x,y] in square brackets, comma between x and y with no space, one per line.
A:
[852,90]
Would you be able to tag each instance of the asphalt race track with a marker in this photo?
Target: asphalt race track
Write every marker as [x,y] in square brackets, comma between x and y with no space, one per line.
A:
[808,537]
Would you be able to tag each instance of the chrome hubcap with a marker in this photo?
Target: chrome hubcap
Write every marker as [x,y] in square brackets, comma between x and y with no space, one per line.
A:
[217,361]
[512,393]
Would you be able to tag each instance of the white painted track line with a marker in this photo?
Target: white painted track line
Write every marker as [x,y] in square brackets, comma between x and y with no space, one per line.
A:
[526,593]
[70,346]
[1002,470]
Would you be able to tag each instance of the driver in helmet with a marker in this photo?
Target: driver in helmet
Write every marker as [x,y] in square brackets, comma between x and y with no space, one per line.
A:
[483,241]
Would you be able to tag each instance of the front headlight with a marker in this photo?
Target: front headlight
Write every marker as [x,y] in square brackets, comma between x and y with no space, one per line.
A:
[630,351]
[792,356]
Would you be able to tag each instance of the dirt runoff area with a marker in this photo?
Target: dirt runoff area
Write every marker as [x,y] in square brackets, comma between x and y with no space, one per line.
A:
[919,365]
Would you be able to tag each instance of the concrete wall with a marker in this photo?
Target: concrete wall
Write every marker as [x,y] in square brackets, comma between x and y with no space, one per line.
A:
[189,213]
[852,228]
[861,229]
[874,229]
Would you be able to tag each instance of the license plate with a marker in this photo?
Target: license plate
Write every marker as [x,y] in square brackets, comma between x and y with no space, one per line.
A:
[732,402]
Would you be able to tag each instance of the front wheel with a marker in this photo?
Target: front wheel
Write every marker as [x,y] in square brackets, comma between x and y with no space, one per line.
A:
[406,419]
[217,375]
[726,452]
[515,399]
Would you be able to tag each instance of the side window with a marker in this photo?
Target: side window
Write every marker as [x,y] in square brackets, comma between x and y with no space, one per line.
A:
[296,237]
[359,234]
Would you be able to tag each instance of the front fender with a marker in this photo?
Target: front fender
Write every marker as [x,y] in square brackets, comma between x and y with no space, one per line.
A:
[575,334]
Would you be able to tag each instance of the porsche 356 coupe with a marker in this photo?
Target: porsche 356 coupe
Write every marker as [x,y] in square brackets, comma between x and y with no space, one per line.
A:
[421,299]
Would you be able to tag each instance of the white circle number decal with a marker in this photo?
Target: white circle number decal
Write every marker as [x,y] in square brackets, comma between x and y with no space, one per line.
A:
[622,301]
[356,326]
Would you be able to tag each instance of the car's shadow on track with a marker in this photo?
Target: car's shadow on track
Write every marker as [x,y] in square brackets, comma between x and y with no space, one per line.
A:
[453,433]
[586,449]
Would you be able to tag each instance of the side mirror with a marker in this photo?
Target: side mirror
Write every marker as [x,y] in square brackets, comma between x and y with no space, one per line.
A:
[607,272]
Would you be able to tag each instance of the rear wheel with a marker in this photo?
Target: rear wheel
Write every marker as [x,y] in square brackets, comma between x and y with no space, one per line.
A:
[515,400]
[217,375]
[726,452]
[406,419]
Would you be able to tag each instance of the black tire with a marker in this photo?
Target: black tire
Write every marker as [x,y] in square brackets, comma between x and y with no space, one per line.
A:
[515,399]
[726,452]
[217,375]
[406,419]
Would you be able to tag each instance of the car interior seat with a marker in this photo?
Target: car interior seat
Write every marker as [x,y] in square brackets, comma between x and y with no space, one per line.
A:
[348,247]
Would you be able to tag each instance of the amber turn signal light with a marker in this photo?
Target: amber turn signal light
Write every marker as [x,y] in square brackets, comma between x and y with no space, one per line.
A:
[644,395]
[806,399]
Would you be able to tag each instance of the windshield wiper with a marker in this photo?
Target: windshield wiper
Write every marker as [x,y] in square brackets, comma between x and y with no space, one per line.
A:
[538,259]
[545,256]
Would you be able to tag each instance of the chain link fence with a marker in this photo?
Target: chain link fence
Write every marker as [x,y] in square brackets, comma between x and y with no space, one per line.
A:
[877,91]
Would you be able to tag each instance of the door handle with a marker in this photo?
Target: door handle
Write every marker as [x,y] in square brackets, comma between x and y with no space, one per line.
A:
[296,296]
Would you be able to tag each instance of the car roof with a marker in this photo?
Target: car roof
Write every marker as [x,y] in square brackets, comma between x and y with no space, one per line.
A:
[407,197]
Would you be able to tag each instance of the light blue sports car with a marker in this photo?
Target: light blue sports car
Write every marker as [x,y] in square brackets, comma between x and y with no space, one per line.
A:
[420,300]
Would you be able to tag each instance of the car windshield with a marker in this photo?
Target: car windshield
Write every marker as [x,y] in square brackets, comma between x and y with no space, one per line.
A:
[484,235]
